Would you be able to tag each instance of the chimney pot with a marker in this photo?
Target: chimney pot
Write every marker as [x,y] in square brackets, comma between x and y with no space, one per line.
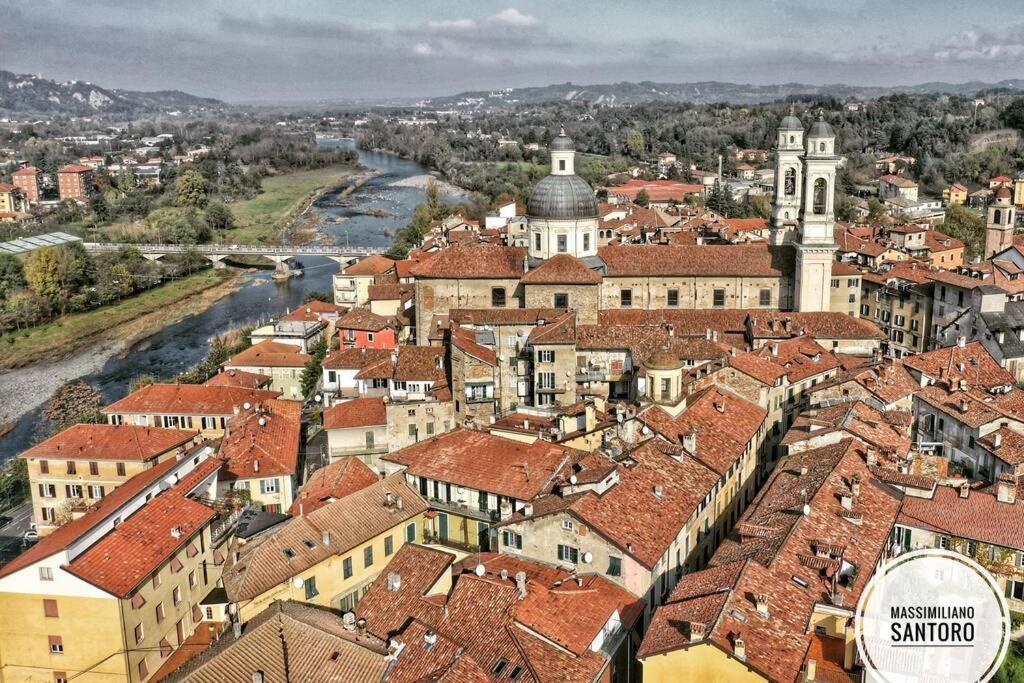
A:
[762,604]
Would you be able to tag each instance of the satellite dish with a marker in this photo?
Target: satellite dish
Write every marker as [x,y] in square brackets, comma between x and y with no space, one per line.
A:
[318,398]
[247,405]
[573,480]
[480,570]
[297,582]
[807,509]
[263,422]
[588,558]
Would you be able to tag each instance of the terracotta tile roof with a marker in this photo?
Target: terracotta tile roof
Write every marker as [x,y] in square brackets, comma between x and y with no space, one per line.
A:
[729,324]
[291,641]
[465,341]
[777,543]
[725,423]
[74,168]
[898,181]
[238,378]
[269,354]
[110,442]
[971,363]
[420,364]
[364,319]
[968,408]
[371,265]
[857,420]
[474,261]
[133,550]
[187,399]
[314,309]
[355,359]
[821,325]
[937,241]
[263,441]
[263,564]
[657,190]
[337,480]
[640,340]
[7,187]
[65,534]
[888,380]
[561,269]
[754,366]
[482,461]
[980,516]
[546,635]
[503,316]
[843,269]
[387,291]
[365,411]
[560,330]
[701,261]
[1011,445]
[800,357]
[28,170]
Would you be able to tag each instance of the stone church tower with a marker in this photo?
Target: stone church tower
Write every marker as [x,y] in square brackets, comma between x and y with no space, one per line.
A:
[804,212]
[562,211]
[816,247]
[999,226]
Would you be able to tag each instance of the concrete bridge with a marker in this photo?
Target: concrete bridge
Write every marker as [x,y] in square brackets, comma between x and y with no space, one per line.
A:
[282,256]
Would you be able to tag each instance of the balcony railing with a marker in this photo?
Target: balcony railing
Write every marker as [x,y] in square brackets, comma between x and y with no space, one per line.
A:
[591,375]
[375,449]
[472,511]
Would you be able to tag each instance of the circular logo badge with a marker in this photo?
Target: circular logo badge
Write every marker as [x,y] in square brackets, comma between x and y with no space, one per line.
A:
[932,615]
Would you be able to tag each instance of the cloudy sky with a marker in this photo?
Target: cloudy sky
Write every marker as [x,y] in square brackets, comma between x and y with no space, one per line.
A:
[290,50]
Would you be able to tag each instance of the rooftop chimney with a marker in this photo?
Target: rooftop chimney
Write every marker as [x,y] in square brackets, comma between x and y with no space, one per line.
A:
[811,670]
[997,440]
[855,485]
[505,509]
[659,492]
[236,629]
[965,489]
[775,349]
[690,441]
[326,537]
[872,456]
[762,604]
[348,620]
[429,640]
[1006,488]
[521,584]
[961,341]
[394,581]
[739,649]
[697,630]
[527,509]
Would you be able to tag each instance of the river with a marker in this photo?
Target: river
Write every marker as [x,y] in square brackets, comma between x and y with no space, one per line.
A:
[180,346]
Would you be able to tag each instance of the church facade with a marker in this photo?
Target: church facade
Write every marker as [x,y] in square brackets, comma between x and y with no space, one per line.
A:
[564,268]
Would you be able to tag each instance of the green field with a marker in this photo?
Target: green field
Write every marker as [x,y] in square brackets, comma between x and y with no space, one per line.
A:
[262,218]
[70,333]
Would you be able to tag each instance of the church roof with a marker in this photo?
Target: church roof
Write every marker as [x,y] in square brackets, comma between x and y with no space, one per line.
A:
[790,122]
[561,197]
[821,129]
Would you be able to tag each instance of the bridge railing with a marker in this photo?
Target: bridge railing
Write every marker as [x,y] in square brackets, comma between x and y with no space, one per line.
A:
[242,249]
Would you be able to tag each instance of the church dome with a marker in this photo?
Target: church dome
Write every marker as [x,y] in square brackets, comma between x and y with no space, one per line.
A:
[791,122]
[562,142]
[821,129]
[562,196]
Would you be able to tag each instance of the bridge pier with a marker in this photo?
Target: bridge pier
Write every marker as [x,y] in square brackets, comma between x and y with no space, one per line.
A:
[281,262]
[217,260]
[153,256]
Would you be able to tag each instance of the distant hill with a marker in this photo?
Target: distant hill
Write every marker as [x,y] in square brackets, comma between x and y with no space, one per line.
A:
[23,94]
[612,94]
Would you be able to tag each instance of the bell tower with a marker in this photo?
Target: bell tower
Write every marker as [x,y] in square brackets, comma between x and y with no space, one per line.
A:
[788,179]
[816,247]
[999,226]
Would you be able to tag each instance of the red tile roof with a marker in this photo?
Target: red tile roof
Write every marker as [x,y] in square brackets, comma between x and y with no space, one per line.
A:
[238,378]
[971,363]
[110,442]
[465,341]
[820,325]
[474,261]
[355,359]
[314,309]
[263,441]
[28,170]
[337,480]
[700,261]
[800,357]
[371,265]
[420,364]
[365,320]
[129,554]
[503,316]
[187,399]
[74,168]
[485,462]
[561,269]
[980,516]
[365,411]
[269,354]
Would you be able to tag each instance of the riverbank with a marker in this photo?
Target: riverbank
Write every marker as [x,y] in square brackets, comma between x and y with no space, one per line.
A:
[78,345]
[69,334]
[420,182]
[283,201]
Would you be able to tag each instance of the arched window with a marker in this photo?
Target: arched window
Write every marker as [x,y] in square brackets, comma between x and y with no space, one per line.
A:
[790,186]
[792,139]
[786,215]
[821,147]
[998,215]
[820,190]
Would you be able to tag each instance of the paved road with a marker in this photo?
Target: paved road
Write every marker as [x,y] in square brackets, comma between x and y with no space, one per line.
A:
[20,518]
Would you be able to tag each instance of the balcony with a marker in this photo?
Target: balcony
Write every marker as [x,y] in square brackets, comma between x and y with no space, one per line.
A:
[471,511]
[375,449]
[591,375]
[559,389]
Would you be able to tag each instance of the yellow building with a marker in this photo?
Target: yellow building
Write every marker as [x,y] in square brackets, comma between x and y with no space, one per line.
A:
[110,596]
[198,407]
[325,557]
[11,203]
[73,470]
[283,363]
[955,194]
[758,613]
